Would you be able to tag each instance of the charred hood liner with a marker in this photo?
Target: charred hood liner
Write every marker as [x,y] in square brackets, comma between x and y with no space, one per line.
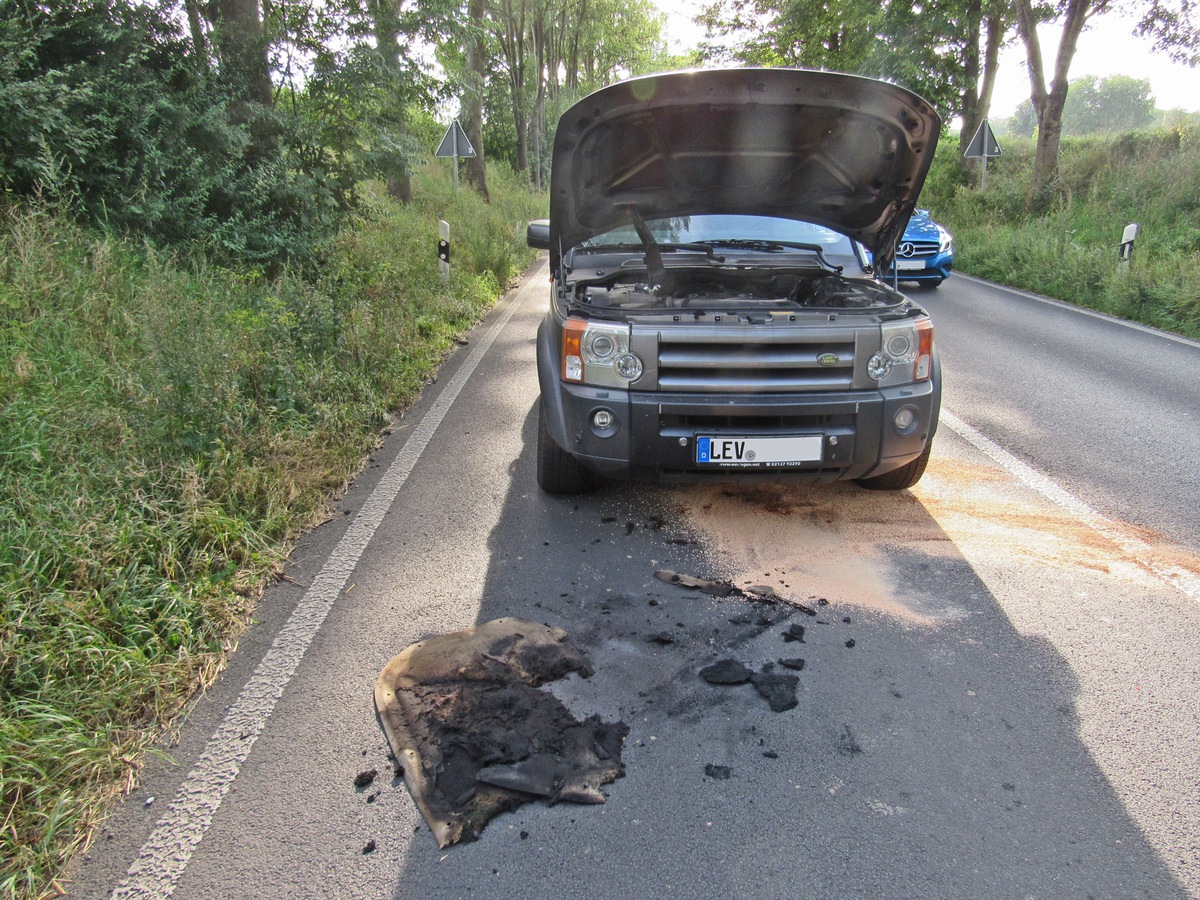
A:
[843,151]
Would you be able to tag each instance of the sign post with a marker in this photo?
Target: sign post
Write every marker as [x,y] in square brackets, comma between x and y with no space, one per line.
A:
[983,146]
[455,144]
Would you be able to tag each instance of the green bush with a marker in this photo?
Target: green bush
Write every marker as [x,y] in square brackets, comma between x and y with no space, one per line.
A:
[103,111]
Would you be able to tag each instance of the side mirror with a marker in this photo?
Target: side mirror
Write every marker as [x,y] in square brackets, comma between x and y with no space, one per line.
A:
[538,234]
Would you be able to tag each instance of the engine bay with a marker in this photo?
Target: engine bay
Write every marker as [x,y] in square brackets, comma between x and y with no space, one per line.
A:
[738,290]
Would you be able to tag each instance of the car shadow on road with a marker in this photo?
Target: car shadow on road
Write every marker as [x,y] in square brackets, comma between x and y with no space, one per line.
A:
[934,750]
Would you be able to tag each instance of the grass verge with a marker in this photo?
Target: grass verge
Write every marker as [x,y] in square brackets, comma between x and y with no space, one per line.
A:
[166,429]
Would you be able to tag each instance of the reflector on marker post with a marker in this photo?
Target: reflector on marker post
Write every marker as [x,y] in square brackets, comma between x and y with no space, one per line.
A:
[443,250]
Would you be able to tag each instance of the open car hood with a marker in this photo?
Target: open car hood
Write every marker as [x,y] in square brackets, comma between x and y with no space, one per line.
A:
[842,151]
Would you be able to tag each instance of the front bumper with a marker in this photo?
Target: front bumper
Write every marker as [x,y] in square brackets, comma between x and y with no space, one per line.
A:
[937,268]
[653,435]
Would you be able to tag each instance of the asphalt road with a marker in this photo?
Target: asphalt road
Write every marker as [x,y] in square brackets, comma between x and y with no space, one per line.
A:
[999,699]
[1109,411]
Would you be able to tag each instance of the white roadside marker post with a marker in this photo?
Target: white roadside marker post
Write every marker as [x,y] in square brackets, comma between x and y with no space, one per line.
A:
[1127,238]
[443,250]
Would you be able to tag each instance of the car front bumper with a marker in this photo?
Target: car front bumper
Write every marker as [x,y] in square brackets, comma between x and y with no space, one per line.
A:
[653,436]
[936,268]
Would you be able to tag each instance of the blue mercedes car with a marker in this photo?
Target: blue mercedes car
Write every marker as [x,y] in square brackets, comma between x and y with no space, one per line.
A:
[925,253]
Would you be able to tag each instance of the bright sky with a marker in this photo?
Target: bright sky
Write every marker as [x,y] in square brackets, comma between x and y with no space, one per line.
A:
[1106,48]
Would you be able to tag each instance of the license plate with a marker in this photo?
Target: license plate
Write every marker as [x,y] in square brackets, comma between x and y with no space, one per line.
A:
[758,451]
[907,265]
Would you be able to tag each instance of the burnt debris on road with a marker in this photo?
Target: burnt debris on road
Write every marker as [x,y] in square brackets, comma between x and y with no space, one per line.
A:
[474,734]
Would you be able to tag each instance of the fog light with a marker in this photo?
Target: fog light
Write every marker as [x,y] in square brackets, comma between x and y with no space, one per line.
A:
[602,419]
[905,420]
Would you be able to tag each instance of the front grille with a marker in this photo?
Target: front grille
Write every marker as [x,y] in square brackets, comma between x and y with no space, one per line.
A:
[921,250]
[764,360]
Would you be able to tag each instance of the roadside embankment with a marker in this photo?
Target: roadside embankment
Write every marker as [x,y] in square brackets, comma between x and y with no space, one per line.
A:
[168,427]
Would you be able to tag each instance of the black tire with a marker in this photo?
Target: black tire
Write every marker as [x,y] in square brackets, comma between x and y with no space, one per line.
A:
[904,477]
[558,472]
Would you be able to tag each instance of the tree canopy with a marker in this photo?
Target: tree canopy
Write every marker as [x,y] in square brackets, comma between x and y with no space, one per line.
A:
[1096,106]
[245,125]
[933,48]
[947,50]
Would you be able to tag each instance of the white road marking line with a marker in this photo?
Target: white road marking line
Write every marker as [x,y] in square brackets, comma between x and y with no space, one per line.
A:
[1083,310]
[1137,549]
[167,851]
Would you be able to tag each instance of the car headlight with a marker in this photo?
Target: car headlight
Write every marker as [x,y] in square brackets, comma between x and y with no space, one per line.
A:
[945,241]
[598,353]
[905,355]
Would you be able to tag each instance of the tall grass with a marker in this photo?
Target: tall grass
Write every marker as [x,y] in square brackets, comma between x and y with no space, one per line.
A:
[1069,250]
[166,428]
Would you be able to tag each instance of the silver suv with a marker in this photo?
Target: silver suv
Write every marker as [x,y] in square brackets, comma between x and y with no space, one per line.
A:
[713,315]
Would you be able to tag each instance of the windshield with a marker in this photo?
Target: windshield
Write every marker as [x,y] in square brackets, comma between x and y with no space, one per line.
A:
[717,229]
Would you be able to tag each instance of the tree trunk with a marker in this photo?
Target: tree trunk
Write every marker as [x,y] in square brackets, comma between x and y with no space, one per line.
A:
[473,96]
[537,125]
[196,26]
[242,48]
[536,120]
[1048,104]
[997,27]
[513,41]
[386,24]
[977,96]
[970,97]
[1045,161]
[572,75]
[399,187]
[521,121]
